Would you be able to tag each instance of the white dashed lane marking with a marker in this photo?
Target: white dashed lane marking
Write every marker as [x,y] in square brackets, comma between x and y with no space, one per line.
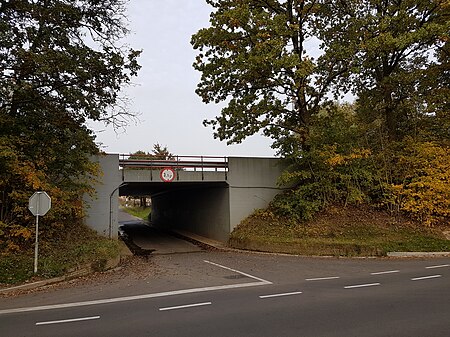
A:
[385,272]
[439,266]
[71,320]
[425,277]
[258,282]
[322,278]
[362,285]
[185,306]
[281,294]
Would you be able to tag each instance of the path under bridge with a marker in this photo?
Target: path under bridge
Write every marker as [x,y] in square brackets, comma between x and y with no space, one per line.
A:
[207,196]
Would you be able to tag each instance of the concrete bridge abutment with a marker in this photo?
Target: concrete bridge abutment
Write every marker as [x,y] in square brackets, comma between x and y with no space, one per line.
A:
[207,202]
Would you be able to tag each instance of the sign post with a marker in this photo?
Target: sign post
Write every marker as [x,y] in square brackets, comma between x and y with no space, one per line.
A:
[39,204]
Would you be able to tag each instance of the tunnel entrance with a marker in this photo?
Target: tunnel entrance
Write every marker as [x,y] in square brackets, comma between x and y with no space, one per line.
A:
[196,207]
[144,239]
[206,196]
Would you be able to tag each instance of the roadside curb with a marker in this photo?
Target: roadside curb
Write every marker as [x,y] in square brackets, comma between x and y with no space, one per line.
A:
[201,240]
[221,246]
[418,254]
[80,271]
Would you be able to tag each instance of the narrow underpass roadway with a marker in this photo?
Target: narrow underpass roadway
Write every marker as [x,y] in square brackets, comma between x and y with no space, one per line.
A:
[144,239]
[211,293]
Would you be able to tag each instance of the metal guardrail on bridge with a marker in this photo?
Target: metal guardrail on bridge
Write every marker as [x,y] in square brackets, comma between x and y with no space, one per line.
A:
[186,163]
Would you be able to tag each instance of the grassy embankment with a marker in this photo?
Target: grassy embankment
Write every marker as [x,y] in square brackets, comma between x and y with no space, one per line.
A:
[78,246]
[337,232]
[140,212]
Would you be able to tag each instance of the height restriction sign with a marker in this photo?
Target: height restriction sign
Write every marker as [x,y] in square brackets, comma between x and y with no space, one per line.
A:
[167,174]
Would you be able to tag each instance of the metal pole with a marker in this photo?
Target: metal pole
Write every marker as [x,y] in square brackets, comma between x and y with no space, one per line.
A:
[36,246]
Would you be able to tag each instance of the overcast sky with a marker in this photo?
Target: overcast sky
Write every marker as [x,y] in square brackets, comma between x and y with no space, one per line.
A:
[170,111]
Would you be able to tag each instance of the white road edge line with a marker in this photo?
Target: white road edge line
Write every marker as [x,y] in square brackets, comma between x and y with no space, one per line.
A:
[385,272]
[239,272]
[425,277]
[439,266]
[362,285]
[131,298]
[280,295]
[322,278]
[185,306]
[69,320]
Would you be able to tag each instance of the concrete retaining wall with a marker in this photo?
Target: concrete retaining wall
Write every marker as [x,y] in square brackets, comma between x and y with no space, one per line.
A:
[210,204]
[102,209]
[253,184]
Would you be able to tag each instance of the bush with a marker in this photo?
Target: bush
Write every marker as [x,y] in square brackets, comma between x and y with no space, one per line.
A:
[423,190]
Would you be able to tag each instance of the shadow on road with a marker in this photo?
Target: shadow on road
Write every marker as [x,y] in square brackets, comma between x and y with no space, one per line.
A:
[144,239]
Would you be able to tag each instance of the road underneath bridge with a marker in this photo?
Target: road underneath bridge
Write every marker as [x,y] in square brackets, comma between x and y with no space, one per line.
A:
[144,239]
[206,196]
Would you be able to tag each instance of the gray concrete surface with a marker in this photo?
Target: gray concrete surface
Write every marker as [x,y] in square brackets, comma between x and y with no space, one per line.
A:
[208,203]
[101,209]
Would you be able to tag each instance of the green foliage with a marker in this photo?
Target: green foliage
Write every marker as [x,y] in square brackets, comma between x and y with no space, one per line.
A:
[301,203]
[352,163]
[351,231]
[80,246]
[393,55]
[140,212]
[334,170]
[58,59]
[397,53]
[254,58]
[59,67]
[159,152]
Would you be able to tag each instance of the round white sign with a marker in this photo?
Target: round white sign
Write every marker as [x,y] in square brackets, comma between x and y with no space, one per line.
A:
[167,174]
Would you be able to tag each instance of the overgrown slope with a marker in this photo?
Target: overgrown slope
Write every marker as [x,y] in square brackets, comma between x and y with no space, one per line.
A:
[337,231]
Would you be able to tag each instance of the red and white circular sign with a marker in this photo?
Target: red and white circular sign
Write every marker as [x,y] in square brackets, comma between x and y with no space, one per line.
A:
[167,174]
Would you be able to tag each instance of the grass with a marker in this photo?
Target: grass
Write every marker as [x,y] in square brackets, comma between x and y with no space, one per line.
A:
[140,212]
[80,246]
[337,232]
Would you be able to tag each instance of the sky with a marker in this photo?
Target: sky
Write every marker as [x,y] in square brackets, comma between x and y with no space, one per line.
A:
[170,113]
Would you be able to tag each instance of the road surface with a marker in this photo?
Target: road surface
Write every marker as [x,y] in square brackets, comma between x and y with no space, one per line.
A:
[150,239]
[238,294]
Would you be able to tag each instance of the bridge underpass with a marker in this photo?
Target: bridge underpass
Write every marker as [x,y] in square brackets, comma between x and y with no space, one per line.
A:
[206,196]
[196,207]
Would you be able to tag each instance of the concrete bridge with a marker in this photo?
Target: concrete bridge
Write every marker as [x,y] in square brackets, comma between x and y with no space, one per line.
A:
[207,196]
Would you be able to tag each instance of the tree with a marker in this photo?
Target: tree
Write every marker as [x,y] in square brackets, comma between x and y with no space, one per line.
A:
[59,67]
[391,54]
[397,50]
[159,152]
[254,58]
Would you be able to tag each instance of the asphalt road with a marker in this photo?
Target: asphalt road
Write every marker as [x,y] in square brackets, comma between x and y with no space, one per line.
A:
[152,240]
[235,294]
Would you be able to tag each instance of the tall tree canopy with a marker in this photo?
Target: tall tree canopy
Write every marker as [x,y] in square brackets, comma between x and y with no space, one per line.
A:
[255,58]
[393,55]
[398,52]
[60,65]
[59,56]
